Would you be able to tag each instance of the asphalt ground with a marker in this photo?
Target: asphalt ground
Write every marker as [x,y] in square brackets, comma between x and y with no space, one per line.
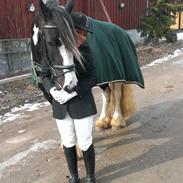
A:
[148,150]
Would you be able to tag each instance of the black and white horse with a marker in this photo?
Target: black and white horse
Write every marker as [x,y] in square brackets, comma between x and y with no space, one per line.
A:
[53,41]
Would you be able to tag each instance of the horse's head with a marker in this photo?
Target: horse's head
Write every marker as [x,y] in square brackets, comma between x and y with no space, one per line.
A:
[57,32]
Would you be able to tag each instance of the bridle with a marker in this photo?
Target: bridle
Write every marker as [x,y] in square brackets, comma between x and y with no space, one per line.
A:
[64,68]
[67,68]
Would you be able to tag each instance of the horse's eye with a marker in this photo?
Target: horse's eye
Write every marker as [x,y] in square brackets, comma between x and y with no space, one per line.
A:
[51,43]
[59,43]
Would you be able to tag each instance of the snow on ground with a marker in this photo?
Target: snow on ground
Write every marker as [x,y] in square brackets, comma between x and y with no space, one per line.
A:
[176,53]
[17,112]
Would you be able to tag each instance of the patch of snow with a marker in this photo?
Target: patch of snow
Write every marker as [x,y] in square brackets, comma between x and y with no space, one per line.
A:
[8,117]
[21,131]
[37,106]
[41,94]
[2,93]
[38,147]
[13,114]
[176,53]
[5,107]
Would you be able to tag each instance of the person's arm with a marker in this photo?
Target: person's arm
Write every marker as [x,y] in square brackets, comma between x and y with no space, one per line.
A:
[85,84]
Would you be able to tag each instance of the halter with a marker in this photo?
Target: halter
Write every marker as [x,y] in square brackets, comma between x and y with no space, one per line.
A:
[65,69]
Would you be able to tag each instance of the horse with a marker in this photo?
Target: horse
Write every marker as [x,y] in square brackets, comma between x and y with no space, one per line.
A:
[53,41]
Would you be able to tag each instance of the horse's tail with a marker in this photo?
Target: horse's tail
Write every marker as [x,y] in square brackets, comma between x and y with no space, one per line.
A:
[128,105]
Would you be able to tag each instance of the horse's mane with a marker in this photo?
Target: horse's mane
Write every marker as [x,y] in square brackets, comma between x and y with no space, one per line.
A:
[66,29]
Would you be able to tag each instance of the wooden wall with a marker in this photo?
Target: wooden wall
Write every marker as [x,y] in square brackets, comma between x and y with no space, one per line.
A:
[15,19]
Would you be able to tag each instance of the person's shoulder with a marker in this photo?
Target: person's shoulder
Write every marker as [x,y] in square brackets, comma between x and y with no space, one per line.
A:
[85,49]
[84,46]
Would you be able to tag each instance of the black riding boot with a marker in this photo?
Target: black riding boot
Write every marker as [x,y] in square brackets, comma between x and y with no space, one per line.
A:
[89,160]
[71,157]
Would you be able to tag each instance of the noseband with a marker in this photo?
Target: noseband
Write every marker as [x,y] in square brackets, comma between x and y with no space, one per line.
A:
[66,69]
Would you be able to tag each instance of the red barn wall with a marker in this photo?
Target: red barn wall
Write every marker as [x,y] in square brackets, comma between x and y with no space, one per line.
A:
[15,19]
[128,17]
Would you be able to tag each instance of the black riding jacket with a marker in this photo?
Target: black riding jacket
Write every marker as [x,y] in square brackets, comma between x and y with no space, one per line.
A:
[83,105]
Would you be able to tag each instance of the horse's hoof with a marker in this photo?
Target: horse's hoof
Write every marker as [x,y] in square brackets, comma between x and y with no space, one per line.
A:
[118,123]
[114,128]
[99,123]
[102,124]
[98,129]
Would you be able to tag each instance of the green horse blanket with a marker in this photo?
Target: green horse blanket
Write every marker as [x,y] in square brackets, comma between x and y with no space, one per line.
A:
[114,54]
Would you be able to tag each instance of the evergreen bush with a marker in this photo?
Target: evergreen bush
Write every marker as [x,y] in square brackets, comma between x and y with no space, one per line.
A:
[158,20]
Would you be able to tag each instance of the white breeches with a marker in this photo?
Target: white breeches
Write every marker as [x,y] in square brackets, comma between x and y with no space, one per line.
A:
[76,131]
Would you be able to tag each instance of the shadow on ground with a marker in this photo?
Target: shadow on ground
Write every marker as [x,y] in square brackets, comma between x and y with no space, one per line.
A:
[161,121]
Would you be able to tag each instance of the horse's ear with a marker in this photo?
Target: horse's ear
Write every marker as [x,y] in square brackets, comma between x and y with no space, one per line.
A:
[69,6]
[43,9]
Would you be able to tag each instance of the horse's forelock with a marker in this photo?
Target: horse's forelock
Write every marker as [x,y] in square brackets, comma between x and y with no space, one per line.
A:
[64,24]
[66,30]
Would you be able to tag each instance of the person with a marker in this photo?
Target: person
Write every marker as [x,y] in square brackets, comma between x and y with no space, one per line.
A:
[74,111]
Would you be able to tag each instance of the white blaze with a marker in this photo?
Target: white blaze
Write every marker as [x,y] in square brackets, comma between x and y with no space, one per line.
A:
[68,59]
[44,1]
[35,35]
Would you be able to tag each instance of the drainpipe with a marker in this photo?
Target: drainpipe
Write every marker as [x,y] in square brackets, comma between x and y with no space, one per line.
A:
[105,10]
[147,3]
[147,6]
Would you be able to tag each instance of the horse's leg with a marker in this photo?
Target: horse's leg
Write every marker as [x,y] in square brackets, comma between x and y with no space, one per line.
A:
[117,120]
[104,119]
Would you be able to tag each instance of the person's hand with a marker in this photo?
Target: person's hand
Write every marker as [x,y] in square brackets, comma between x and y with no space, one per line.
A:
[65,96]
[55,94]
[61,96]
